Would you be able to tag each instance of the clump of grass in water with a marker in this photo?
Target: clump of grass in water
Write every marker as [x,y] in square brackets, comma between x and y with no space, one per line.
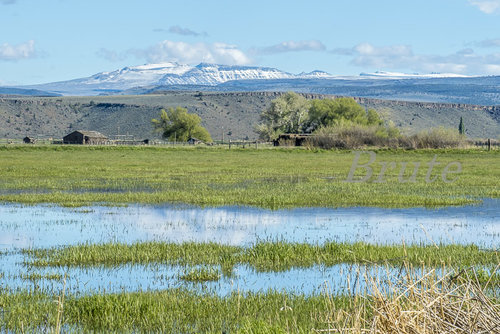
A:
[200,275]
[263,256]
[39,277]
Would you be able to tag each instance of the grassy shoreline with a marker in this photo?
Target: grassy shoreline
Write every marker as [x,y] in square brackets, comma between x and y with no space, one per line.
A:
[269,178]
[263,256]
[422,304]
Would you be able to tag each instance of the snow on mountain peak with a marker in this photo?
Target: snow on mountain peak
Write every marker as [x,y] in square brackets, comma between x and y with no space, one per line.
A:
[158,66]
[203,74]
[396,75]
[315,75]
[213,74]
[134,76]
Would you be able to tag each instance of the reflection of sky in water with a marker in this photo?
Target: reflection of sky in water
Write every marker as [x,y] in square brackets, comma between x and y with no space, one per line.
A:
[337,279]
[46,226]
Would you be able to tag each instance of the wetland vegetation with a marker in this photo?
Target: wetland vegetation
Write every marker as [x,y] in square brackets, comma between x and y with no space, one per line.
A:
[271,178]
[263,256]
[429,302]
[197,253]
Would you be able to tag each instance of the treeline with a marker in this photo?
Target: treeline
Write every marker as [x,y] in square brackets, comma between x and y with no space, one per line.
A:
[343,123]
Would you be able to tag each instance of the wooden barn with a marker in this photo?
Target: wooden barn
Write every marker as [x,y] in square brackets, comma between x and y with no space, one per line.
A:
[85,138]
[29,140]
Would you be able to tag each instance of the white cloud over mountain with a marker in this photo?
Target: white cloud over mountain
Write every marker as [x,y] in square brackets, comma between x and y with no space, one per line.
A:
[486,6]
[190,53]
[17,52]
[292,46]
[402,57]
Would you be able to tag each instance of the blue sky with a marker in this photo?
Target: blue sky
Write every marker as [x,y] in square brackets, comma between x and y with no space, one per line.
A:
[53,40]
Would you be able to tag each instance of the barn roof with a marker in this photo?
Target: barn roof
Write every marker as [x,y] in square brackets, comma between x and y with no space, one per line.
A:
[90,134]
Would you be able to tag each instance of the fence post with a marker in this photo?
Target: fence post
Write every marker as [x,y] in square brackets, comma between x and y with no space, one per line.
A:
[489,144]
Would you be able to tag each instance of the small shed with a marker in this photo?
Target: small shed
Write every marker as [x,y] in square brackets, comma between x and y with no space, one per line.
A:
[85,138]
[194,141]
[29,140]
[291,139]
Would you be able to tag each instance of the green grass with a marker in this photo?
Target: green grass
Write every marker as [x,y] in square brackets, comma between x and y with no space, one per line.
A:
[264,256]
[271,178]
[38,277]
[184,311]
[200,275]
[171,311]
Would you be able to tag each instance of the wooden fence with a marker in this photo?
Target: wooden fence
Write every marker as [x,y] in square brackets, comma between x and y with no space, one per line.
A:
[488,144]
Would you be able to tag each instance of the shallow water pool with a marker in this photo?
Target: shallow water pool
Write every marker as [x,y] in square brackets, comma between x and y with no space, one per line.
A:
[53,226]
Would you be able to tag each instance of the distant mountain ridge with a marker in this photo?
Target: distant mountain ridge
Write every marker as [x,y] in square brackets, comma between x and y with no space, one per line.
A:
[235,112]
[152,78]
[166,74]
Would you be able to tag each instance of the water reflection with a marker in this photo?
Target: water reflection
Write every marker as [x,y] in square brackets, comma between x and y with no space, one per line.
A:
[47,226]
[52,226]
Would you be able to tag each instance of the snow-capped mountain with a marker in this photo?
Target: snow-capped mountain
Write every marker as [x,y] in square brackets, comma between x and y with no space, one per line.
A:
[316,75]
[164,74]
[143,75]
[211,74]
[151,77]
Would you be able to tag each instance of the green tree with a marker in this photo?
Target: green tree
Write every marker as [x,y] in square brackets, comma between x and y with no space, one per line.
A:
[331,112]
[177,124]
[461,127]
[286,114]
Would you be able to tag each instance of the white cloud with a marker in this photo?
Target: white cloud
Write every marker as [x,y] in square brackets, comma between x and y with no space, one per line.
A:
[182,31]
[402,58]
[17,52]
[486,6]
[369,55]
[190,53]
[292,46]
[367,49]
[488,43]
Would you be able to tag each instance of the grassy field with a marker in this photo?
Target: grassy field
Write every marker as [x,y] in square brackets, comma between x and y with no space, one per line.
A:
[263,256]
[171,311]
[271,178]
[267,177]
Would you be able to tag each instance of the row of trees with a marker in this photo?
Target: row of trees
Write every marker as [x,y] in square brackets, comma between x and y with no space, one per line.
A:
[292,113]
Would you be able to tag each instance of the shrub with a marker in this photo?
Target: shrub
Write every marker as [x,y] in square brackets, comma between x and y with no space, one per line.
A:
[351,136]
[436,138]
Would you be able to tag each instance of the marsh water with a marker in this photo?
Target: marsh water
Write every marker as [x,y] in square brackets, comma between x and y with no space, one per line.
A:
[40,226]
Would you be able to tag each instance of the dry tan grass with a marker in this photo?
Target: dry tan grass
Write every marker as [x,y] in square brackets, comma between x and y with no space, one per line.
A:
[421,304]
